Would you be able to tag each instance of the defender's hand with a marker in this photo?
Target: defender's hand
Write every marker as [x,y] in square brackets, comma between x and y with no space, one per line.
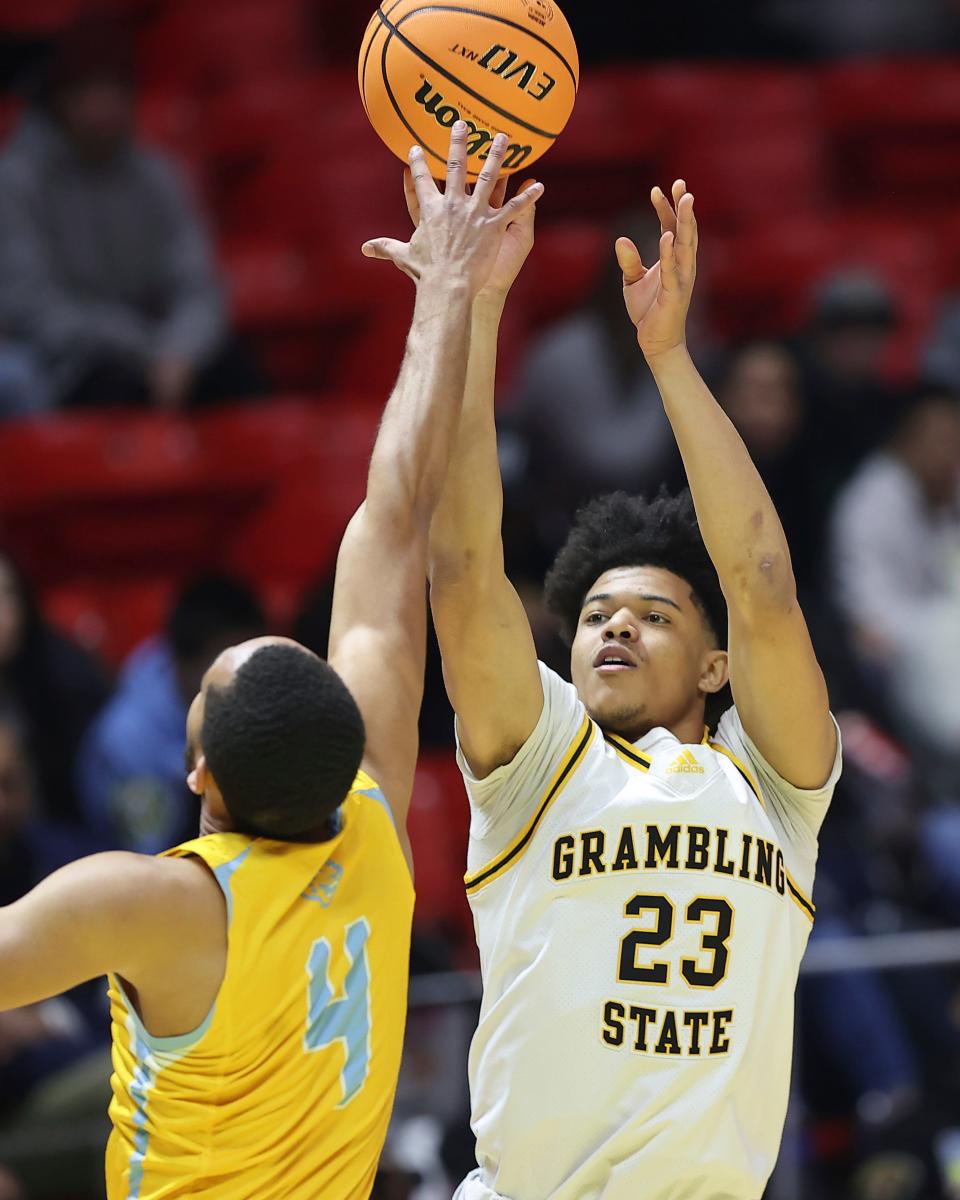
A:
[459,235]
[517,238]
[658,297]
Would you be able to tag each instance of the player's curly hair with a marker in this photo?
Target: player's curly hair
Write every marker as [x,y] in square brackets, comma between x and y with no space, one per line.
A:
[619,530]
[284,740]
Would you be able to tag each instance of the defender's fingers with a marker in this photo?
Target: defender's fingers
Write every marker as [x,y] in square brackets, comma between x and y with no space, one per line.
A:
[521,205]
[631,264]
[388,249]
[457,160]
[487,181]
[423,181]
[410,195]
[664,210]
[678,190]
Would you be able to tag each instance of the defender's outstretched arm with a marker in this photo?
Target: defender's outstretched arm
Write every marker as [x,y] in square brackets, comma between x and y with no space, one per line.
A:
[378,633]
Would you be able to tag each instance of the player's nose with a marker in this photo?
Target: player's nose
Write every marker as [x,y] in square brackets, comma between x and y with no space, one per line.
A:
[621,626]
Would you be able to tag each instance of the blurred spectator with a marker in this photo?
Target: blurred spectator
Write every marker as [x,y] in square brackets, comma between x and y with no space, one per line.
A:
[38,1041]
[895,551]
[587,406]
[105,270]
[941,359]
[53,686]
[759,389]
[131,775]
[9,1188]
[22,386]
[842,358]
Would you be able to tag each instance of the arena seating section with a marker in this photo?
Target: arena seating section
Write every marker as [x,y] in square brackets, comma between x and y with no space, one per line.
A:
[797,170]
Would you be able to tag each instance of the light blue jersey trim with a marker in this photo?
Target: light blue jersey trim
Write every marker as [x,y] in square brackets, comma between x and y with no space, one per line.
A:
[162,1045]
[144,1040]
[224,875]
[376,794]
[144,1079]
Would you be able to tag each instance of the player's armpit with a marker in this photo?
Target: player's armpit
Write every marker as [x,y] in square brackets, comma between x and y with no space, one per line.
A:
[489,664]
[781,695]
[114,912]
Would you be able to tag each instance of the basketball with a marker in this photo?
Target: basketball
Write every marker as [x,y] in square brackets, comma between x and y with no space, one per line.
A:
[503,66]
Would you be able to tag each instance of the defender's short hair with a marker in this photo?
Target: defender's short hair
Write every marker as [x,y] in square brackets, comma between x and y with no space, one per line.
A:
[619,530]
[284,740]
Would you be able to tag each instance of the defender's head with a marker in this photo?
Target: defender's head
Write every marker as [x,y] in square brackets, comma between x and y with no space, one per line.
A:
[274,741]
[641,601]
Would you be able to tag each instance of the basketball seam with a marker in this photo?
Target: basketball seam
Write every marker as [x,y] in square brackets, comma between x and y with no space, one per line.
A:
[363,73]
[395,31]
[393,100]
[366,57]
[472,12]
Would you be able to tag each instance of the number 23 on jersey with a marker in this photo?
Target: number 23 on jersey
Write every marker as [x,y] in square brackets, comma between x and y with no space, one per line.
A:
[692,1032]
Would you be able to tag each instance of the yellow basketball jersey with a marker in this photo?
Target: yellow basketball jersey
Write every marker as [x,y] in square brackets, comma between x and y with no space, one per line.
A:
[284,1092]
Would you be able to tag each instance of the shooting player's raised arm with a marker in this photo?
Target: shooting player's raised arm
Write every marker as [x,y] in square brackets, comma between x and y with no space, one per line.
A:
[777,683]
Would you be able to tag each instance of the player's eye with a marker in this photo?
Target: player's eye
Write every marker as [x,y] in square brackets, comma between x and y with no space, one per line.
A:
[658,618]
[593,618]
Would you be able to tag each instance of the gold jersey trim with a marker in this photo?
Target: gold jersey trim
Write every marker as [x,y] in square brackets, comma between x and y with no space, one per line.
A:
[504,861]
[806,905]
[629,753]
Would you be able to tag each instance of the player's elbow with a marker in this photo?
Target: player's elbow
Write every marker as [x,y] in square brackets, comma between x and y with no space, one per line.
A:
[763,585]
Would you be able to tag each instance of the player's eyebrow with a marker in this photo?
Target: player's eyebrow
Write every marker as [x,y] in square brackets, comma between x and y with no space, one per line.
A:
[643,596]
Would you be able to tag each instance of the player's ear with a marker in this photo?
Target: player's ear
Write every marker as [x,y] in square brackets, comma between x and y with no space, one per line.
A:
[197,779]
[714,672]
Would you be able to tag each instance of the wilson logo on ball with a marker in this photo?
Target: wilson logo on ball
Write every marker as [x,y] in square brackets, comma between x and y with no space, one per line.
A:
[478,140]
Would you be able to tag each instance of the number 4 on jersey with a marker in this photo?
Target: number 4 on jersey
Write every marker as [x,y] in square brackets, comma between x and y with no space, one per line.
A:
[346,1020]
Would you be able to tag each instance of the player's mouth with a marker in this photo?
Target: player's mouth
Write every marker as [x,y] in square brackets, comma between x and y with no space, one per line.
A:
[612,659]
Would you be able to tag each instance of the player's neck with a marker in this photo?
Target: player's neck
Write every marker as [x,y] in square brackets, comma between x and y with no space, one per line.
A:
[687,729]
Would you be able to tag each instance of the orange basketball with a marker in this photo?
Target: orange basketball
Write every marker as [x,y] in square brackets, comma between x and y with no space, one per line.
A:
[503,66]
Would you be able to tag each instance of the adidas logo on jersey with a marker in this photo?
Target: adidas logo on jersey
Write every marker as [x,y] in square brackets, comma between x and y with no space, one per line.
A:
[685,764]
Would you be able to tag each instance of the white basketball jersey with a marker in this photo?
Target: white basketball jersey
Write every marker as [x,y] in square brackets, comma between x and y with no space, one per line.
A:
[641,911]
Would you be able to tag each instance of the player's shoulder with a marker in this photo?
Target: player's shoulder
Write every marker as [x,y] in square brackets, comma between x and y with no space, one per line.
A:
[561,700]
[140,896]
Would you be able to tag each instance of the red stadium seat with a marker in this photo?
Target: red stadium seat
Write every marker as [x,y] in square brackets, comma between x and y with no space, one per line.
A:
[762,282]
[750,178]
[607,156]
[110,616]
[726,99]
[892,130]
[439,824]
[603,129]
[272,285]
[249,122]
[38,16]
[317,456]
[563,269]
[210,46]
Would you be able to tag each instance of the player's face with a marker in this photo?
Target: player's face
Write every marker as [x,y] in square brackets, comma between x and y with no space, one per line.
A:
[642,655]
